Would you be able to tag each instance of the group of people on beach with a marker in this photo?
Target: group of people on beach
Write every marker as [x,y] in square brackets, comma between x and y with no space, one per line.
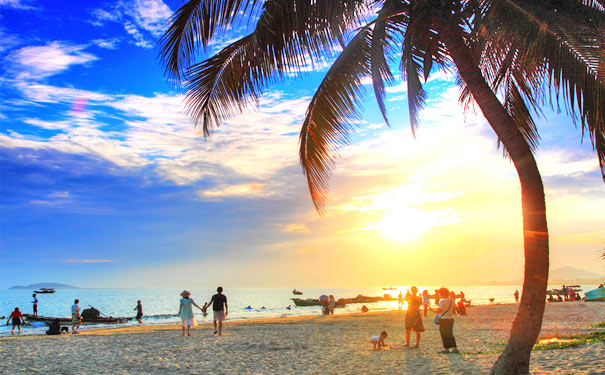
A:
[445,312]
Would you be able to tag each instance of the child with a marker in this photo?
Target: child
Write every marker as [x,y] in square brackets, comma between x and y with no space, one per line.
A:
[17,319]
[378,341]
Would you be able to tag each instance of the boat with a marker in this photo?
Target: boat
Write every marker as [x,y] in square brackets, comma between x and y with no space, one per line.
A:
[297,292]
[49,319]
[596,295]
[45,290]
[389,288]
[315,302]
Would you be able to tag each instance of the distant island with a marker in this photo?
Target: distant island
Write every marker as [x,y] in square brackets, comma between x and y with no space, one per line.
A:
[44,285]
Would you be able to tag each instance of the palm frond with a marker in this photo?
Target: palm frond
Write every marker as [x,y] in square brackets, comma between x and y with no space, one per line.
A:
[193,24]
[330,113]
[288,36]
[411,68]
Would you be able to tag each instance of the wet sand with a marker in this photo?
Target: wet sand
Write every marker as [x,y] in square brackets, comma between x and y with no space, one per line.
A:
[306,345]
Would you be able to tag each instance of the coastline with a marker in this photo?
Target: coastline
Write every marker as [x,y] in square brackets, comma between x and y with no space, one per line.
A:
[308,344]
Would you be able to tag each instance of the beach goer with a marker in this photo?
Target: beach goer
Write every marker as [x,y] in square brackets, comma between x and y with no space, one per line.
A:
[378,341]
[331,304]
[76,320]
[413,320]
[400,300]
[289,307]
[364,309]
[219,309]
[54,328]
[35,303]
[186,312]
[139,309]
[16,318]
[446,322]
[516,296]
[453,297]
[437,297]
[205,309]
[426,301]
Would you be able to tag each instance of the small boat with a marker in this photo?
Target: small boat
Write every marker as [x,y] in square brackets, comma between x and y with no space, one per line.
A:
[315,302]
[45,290]
[49,319]
[389,288]
[297,292]
[596,295]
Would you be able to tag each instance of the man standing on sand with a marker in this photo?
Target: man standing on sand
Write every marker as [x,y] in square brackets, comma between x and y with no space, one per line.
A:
[220,309]
[35,302]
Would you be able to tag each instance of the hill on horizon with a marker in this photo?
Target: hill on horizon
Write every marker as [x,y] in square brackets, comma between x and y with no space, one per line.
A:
[44,285]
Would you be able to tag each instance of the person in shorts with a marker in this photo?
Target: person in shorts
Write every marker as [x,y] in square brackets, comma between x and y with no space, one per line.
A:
[76,320]
[220,309]
[16,318]
[139,309]
[35,302]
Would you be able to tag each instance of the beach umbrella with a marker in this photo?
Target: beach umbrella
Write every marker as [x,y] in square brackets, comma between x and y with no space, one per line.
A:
[323,297]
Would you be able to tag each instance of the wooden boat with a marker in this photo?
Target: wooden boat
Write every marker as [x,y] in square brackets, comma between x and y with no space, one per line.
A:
[45,290]
[596,295]
[49,319]
[315,302]
[297,292]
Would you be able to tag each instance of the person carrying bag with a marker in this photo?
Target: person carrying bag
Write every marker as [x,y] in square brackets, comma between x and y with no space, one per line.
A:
[445,320]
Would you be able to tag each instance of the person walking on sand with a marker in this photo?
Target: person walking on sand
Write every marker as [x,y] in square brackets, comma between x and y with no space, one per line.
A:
[446,311]
[400,300]
[426,301]
[516,296]
[331,304]
[35,303]
[17,320]
[76,320]
[139,310]
[186,312]
[220,310]
[413,320]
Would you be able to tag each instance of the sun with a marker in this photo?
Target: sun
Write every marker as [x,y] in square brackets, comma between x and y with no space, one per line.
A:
[403,224]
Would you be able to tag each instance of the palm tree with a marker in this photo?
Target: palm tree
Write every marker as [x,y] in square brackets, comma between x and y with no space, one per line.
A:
[469,36]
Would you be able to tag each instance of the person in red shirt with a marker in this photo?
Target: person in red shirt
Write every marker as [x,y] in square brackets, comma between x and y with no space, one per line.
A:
[17,318]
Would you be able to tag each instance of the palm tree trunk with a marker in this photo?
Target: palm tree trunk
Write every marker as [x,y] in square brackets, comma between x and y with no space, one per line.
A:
[527,323]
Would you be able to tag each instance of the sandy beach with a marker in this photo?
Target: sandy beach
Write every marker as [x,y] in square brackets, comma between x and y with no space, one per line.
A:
[309,345]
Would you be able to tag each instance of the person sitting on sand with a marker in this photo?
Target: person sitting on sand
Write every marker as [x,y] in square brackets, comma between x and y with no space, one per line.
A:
[17,320]
[139,309]
[54,328]
[76,320]
[413,320]
[378,341]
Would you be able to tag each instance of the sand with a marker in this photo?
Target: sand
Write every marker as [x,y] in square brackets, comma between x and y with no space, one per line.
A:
[306,345]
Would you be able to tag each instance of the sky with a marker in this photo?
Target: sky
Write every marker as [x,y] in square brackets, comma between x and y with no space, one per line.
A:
[105,181]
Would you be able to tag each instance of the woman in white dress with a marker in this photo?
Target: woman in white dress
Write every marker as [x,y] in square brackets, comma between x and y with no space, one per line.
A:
[186,312]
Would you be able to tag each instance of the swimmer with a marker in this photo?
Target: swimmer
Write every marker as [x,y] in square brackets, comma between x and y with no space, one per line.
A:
[289,307]
[378,341]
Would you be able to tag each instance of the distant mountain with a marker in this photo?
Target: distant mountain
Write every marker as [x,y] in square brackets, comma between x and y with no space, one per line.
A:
[573,273]
[44,285]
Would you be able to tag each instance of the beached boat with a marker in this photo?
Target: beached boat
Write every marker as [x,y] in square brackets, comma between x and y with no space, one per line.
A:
[314,302]
[596,295]
[49,319]
[45,290]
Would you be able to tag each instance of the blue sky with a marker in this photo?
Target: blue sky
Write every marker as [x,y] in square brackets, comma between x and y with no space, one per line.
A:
[105,181]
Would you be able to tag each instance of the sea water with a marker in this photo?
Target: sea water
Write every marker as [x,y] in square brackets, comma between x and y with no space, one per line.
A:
[160,306]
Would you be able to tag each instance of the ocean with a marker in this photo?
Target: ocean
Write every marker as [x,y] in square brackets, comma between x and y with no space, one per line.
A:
[160,306]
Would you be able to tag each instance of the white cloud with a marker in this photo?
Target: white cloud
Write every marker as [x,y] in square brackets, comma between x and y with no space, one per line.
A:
[101,16]
[150,15]
[139,39]
[37,62]
[107,43]
[253,189]
[16,4]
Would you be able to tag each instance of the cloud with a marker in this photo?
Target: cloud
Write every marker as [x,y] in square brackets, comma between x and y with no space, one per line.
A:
[106,43]
[90,261]
[295,228]
[253,189]
[151,15]
[38,62]
[139,39]
[16,4]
